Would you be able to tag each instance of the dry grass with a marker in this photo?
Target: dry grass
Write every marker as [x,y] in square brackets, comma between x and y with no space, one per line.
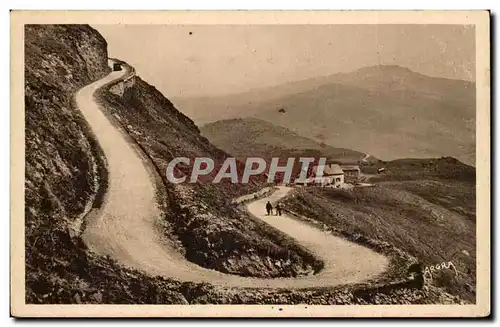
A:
[433,220]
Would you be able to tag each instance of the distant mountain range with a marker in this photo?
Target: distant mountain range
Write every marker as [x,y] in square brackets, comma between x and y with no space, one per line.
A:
[387,111]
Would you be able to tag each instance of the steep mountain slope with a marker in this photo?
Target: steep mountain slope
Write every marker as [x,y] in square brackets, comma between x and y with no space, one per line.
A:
[62,158]
[66,175]
[387,111]
[254,137]
[59,60]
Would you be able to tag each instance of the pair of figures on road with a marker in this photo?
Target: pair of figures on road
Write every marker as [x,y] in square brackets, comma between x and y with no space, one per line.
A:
[269,209]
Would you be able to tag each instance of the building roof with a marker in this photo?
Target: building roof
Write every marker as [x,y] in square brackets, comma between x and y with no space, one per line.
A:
[350,167]
[329,169]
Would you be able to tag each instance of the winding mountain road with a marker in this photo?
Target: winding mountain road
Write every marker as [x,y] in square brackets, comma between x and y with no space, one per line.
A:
[124,227]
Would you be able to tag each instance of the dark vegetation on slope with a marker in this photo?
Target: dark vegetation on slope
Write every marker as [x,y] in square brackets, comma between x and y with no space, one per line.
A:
[59,146]
[62,157]
[213,233]
[426,208]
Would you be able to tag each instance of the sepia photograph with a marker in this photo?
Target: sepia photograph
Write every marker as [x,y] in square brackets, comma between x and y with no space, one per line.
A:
[258,164]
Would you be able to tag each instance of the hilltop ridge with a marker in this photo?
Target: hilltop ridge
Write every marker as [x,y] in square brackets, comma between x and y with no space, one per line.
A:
[242,137]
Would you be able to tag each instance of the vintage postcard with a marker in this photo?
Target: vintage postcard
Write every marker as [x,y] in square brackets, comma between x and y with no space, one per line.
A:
[250,164]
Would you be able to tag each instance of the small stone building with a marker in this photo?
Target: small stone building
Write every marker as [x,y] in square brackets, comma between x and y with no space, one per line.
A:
[332,176]
[351,171]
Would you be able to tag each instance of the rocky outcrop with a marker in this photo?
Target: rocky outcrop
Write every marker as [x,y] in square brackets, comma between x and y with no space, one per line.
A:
[119,87]
[63,163]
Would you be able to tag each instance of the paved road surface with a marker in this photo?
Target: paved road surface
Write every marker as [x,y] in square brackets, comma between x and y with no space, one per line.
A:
[124,228]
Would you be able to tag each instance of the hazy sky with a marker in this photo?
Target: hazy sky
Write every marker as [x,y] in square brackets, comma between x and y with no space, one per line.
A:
[192,60]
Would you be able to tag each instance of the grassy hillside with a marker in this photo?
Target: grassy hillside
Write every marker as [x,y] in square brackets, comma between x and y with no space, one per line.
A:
[255,137]
[414,169]
[431,217]
[387,111]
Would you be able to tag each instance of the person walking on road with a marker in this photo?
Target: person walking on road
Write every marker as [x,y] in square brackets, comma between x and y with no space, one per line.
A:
[278,210]
[269,208]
